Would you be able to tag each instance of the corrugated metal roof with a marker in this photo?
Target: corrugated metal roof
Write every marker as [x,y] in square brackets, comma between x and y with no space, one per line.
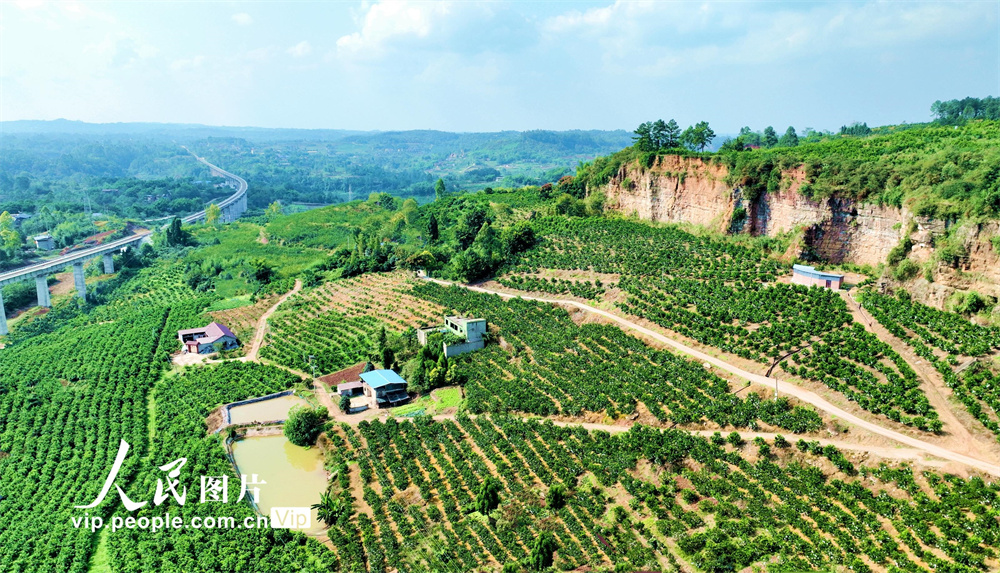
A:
[812,272]
[380,378]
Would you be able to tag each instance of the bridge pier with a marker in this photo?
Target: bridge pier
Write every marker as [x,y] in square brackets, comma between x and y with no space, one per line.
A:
[78,279]
[109,264]
[42,288]
[3,317]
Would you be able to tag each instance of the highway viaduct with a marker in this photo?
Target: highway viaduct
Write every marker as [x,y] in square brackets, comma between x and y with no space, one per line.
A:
[41,271]
[232,207]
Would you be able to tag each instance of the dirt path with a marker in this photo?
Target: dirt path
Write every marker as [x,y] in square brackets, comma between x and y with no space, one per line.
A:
[894,453]
[261,327]
[960,439]
[783,388]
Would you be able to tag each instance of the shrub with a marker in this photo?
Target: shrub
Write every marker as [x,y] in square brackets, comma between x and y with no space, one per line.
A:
[555,498]
[304,425]
[906,270]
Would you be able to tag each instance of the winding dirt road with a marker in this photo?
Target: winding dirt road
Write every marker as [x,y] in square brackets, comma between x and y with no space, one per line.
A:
[783,388]
[261,327]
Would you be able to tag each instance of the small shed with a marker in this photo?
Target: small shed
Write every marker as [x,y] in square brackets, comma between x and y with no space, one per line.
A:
[347,381]
[44,242]
[208,339]
[385,388]
[809,276]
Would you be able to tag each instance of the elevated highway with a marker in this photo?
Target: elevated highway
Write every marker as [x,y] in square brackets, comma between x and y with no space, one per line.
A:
[41,271]
[233,206]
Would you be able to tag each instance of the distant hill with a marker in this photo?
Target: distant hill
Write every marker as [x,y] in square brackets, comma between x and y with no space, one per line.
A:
[62,161]
[185,131]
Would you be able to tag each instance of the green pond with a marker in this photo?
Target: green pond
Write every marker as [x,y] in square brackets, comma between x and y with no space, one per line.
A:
[265,410]
[295,476]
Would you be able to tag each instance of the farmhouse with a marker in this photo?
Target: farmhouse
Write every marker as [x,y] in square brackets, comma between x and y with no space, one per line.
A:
[348,381]
[209,339]
[471,330]
[44,242]
[808,276]
[385,388]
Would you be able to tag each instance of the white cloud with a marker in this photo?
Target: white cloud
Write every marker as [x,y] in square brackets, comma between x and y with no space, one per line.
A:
[388,24]
[664,38]
[300,50]
[391,19]
[243,19]
[187,63]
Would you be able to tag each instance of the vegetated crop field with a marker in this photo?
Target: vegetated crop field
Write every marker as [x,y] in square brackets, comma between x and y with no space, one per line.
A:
[325,228]
[182,403]
[945,339]
[725,295]
[159,284]
[66,399]
[334,322]
[545,364]
[644,499]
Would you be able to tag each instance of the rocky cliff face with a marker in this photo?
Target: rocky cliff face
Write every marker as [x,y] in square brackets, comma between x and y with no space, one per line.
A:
[689,190]
[675,190]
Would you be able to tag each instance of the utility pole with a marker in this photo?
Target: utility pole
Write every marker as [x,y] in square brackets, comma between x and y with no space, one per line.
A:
[311,365]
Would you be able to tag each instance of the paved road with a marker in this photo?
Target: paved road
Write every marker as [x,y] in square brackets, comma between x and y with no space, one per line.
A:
[784,388]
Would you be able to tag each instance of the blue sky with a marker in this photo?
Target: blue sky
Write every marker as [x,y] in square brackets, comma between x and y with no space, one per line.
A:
[494,65]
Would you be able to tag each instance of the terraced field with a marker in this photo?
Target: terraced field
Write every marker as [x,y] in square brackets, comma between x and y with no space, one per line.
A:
[961,351]
[645,499]
[336,323]
[728,296]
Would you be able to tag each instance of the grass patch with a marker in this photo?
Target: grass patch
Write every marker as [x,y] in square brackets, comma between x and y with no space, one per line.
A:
[447,398]
[99,562]
[230,303]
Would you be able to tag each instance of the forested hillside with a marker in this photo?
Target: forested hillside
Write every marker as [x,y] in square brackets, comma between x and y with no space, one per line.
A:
[72,168]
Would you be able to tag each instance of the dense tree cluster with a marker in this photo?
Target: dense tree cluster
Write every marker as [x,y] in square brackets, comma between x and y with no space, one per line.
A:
[659,135]
[958,111]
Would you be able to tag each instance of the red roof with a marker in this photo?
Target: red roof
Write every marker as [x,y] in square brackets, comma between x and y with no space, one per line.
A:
[213,331]
[352,374]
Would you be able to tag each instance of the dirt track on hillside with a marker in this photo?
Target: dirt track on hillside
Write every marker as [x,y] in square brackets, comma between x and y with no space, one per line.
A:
[782,387]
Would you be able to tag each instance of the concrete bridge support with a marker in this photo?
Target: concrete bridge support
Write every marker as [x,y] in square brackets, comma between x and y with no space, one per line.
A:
[78,279]
[109,264]
[3,317]
[42,288]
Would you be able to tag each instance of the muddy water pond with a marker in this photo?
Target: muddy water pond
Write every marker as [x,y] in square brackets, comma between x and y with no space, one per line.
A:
[295,476]
[265,410]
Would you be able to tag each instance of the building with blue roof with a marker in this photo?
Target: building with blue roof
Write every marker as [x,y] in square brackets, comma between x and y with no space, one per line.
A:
[385,388]
[809,276]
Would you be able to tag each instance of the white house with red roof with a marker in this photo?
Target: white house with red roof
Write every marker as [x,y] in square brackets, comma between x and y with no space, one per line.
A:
[211,338]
